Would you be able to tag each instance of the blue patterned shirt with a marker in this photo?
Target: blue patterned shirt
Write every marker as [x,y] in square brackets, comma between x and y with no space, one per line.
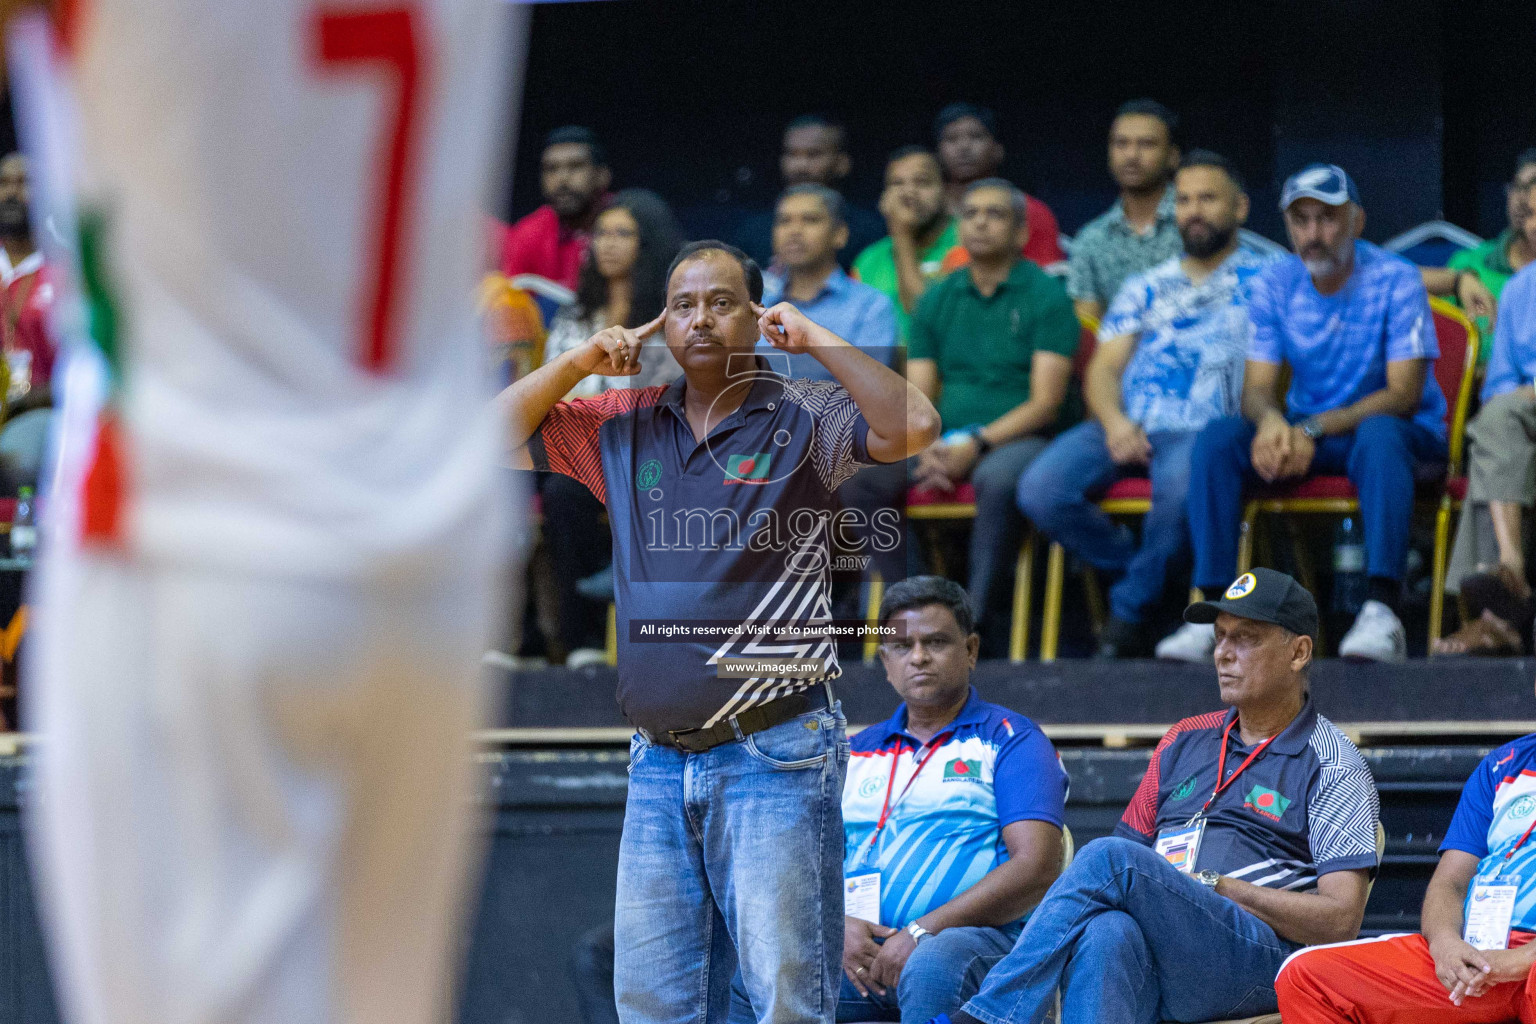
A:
[1191,342]
[989,768]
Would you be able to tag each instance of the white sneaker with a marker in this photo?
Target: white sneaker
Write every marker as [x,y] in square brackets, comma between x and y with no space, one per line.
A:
[586,657]
[1192,642]
[1377,635]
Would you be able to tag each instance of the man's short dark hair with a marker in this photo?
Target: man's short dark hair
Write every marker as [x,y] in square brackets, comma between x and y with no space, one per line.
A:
[581,136]
[1151,108]
[959,112]
[830,198]
[1524,160]
[1211,158]
[922,591]
[749,268]
[821,121]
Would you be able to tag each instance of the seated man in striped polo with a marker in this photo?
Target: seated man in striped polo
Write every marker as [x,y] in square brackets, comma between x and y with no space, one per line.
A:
[1253,833]
[952,823]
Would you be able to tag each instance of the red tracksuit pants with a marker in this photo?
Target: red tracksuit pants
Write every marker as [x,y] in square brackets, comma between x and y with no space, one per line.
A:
[1390,981]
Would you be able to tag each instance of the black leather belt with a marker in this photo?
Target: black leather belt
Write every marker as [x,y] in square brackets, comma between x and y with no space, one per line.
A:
[739,727]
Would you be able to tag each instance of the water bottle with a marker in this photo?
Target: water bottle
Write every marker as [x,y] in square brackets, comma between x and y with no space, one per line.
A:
[1349,585]
[24,527]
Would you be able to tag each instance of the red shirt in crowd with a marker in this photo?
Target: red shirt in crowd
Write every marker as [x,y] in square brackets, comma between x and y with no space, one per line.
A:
[27,304]
[538,244]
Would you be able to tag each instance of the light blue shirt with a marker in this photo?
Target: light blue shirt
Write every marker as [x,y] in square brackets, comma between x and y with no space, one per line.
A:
[1338,346]
[1191,341]
[861,315]
[1513,362]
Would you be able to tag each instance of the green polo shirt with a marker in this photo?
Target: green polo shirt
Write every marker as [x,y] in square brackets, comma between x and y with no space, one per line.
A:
[984,346]
[1490,262]
[876,267]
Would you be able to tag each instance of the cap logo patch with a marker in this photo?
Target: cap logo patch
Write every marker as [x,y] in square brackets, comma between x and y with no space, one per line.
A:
[1242,586]
[1315,177]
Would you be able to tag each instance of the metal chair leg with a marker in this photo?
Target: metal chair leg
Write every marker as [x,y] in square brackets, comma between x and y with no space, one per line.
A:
[1441,567]
[1050,625]
[1245,537]
[871,614]
[1023,587]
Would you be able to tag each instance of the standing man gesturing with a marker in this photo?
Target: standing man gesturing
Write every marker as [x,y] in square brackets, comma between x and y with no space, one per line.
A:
[726,775]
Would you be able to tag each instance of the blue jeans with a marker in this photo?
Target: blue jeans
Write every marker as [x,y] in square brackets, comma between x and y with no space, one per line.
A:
[1055,494]
[941,974]
[733,857]
[1129,939]
[1382,458]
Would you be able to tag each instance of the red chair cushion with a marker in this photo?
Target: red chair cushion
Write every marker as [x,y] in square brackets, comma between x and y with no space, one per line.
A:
[1130,487]
[1334,487]
[965,494]
[1311,487]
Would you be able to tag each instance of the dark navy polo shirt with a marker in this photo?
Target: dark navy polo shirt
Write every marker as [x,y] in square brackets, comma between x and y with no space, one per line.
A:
[734,530]
[1305,807]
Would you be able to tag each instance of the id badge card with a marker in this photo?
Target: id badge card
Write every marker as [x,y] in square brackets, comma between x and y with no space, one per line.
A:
[861,896]
[1490,911]
[1180,846]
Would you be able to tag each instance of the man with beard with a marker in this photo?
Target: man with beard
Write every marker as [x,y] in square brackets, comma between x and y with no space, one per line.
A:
[1353,323]
[28,301]
[1139,231]
[1169,361]
[550,241]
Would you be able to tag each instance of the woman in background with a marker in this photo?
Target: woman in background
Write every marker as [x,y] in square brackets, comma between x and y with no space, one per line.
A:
[622,284]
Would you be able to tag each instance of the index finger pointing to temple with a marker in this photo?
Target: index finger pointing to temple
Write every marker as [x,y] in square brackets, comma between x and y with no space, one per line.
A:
[646,330]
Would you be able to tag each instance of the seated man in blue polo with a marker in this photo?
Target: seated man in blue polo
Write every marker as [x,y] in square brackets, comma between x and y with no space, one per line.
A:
[1253,833]
[1353,323]
[952,819]
[809,229]
[720,489]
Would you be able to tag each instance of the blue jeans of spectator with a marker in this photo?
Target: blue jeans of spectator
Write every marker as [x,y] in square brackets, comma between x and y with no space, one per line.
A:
[1059,493]
[1382,457]
[941,974]
[1128,938]
[733,857]
[996,535]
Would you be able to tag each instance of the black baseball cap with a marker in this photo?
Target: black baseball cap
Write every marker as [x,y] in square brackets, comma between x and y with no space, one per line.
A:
[1262,595]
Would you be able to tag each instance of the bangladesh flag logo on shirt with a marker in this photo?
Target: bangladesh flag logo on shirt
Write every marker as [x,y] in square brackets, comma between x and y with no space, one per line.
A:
[961,770]
[1267,802]
[748,469]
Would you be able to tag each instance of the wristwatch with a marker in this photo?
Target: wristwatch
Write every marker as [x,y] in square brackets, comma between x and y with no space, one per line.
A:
[982,444]
[918,933]
[1209,878]
[1311,427]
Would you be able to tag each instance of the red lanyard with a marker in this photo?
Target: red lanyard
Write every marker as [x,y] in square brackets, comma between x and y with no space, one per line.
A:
[1521,843]
[1221,764]
[933,748]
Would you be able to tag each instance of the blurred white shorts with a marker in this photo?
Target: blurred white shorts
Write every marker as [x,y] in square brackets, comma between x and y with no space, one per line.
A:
[254,797]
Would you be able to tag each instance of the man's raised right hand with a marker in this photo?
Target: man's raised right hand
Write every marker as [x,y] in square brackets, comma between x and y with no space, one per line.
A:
[615,351]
